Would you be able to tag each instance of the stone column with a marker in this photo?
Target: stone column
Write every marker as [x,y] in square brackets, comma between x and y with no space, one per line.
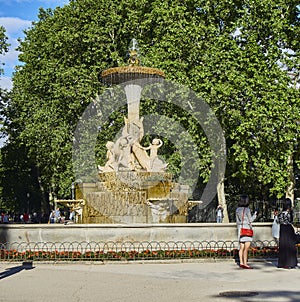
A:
[133,96]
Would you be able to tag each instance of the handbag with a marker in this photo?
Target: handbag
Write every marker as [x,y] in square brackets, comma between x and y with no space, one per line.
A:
[245,232]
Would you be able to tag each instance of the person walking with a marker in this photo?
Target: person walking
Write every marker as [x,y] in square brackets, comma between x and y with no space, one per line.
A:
[219,214]
[244,218]
[287,256]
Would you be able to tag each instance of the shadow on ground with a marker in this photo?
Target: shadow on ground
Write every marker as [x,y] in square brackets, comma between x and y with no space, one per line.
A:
[287,296]
[16,269]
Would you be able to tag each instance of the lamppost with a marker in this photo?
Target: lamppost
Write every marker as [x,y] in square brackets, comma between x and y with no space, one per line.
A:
[73,188]
[73,191]
[28,195]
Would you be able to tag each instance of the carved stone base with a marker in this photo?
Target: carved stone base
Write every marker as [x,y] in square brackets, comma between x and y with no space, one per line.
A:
[133,197]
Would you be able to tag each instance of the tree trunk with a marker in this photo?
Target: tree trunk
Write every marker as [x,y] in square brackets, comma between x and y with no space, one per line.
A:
[222,200]
[45,195]
[290,188]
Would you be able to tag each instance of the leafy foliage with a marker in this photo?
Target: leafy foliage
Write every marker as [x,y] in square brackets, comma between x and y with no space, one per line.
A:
[235,54]
[3,44]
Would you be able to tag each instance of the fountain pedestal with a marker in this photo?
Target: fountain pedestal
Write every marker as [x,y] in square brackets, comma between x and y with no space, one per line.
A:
[134,197]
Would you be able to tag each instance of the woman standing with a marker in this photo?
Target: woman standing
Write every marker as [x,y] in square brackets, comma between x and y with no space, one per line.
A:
[275,227]
[287,257]
[244,220]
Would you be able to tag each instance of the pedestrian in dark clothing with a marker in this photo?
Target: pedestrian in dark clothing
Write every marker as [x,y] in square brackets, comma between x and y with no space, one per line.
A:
[287,257]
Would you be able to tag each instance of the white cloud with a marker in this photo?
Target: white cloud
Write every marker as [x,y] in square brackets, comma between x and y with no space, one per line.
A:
[6,83]
[10,59]
[14,26]
[14,30]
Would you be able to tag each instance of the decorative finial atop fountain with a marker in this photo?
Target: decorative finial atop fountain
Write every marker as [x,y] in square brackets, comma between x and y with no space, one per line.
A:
[134,53]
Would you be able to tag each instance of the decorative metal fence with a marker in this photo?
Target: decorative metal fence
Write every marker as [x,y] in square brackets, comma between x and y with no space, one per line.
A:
[130,251]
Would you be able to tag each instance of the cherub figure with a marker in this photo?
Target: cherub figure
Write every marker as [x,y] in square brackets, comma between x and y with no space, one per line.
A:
[122,151]
[152,162]
[110,164]
[153,147]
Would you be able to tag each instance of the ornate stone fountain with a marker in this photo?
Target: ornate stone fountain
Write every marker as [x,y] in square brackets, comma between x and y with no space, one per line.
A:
[134,185]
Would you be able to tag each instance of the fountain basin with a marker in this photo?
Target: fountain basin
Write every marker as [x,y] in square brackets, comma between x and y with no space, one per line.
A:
[121,74]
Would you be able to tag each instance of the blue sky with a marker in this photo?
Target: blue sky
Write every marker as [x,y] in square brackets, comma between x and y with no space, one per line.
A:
[15,16]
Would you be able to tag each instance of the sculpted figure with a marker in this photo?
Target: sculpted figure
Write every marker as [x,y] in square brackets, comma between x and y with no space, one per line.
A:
[123,156]
[111,163]
[150,163]
[156,143]
[141,155]
[127,154]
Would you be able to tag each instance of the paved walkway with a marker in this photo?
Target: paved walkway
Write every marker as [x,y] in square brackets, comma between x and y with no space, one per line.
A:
[138,282]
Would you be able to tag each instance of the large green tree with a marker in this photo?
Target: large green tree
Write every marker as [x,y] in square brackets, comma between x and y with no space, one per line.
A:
[233,54]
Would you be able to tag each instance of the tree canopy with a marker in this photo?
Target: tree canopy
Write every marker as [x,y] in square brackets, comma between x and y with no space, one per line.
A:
[237,55]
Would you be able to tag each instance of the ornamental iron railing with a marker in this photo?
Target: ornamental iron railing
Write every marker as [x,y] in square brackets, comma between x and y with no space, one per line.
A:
[126,251]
